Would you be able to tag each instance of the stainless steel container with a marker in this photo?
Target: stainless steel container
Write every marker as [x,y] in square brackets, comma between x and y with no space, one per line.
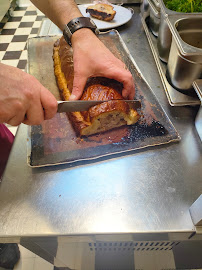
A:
[154,16]
[144,8]
[198,121]
[164,35]
[185,58]
[164,39]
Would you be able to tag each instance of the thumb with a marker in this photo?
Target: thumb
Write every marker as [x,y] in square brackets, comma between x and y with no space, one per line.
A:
[78,87]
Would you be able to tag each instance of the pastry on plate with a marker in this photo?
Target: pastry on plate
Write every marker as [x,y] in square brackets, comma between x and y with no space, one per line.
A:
[102,12]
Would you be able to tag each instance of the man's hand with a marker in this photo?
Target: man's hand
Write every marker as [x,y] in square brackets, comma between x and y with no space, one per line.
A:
[93,59]
[23,99]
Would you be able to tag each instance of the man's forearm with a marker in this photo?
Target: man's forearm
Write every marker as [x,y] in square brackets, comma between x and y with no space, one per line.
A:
[58,11]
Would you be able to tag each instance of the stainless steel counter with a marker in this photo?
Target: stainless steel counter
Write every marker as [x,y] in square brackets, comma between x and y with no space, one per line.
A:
[148,192]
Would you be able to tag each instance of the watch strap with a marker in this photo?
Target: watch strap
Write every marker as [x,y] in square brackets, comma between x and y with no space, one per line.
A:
[76,24]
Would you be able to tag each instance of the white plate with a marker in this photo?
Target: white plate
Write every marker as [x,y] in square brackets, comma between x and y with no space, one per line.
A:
[123,15]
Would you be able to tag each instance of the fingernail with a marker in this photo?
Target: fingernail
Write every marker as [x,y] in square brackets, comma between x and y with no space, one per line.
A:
[72,97]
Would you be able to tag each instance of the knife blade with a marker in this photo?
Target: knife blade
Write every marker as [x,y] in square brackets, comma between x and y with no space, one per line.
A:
[84,105]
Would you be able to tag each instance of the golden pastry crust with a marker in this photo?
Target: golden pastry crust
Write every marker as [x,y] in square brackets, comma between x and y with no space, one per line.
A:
[102,12]
[99,118]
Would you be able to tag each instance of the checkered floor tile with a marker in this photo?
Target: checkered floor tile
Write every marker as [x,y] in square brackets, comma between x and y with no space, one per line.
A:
[14,33]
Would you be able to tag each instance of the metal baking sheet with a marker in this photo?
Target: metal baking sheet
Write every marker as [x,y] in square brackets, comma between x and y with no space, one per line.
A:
[54,142]
[175,97]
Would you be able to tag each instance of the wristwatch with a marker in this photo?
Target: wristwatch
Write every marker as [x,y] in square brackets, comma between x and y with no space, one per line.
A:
[76,24]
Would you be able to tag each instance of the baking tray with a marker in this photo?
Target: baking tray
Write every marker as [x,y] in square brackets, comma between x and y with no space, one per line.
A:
[54,142]
[175,97]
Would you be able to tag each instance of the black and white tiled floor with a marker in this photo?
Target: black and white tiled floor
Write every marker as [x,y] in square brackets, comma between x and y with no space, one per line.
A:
[15,32]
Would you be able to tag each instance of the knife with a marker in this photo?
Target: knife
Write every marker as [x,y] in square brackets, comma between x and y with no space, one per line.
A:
[84,105]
